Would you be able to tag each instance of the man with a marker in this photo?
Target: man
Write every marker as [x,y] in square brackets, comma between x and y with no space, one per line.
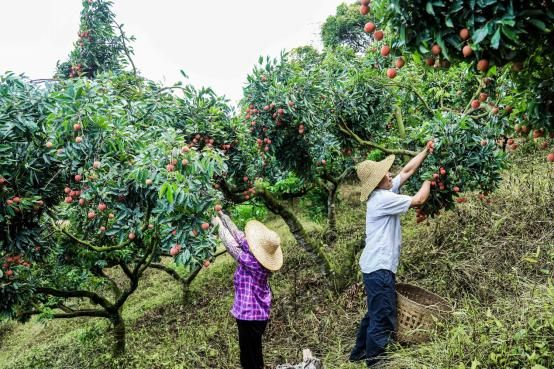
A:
[380,257]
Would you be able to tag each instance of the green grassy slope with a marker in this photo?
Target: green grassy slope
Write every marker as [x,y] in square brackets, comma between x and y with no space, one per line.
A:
[493,262]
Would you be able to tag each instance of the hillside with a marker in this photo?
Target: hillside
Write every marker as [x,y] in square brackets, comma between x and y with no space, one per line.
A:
[493,262]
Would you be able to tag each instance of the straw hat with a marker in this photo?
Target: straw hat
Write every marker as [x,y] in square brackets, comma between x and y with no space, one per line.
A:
[371,173]
[265,245]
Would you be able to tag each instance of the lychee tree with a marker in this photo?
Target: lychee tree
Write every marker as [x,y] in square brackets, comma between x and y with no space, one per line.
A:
[315,115]
[509,42]
[465,159]
[121,197]
[345,27]
[322,113]
[101,45]
[466,116]
[30,182]
[498,31]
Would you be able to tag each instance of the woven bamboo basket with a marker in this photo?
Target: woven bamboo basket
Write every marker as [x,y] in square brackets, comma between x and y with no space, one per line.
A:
[417,310]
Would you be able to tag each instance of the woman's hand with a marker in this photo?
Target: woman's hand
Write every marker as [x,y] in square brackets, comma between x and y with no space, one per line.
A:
[216,221]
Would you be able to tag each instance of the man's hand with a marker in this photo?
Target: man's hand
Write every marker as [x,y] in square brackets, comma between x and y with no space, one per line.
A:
[430,146]
[415,163]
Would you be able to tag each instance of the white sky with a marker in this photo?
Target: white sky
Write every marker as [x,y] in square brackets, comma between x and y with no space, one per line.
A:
[216,42]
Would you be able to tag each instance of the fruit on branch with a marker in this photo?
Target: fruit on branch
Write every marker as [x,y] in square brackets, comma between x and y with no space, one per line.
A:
[483,65]
[369,27]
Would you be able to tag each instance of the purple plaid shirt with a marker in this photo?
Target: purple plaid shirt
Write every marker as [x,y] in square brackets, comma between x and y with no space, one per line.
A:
[252,293]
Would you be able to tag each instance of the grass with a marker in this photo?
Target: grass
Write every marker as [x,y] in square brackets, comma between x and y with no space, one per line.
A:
[493,262]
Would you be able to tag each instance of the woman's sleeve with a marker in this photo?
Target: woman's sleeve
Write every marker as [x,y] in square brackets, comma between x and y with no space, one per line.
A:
[229,241]
[227,222]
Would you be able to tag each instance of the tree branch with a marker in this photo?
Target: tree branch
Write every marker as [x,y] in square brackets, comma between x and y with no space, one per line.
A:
[411,88]
[337,181]
[65,309]
[344,128]
[149,259]
[126,270]
[400,122]
[479,116]
[113,284]
[102,248]
[295,227]
[193,275]
[230,193]
[476,95]
[71,314]
[173,273]
[97,299]
[126,49]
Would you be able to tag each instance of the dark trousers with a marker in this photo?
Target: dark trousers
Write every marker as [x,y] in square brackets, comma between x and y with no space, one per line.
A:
[250,343]
[378,325]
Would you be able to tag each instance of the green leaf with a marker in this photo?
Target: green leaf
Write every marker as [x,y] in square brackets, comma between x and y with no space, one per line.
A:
[495,40]
[539,24]
[163,189]
[429,8]
[456,6]
[480,34]
[510,34]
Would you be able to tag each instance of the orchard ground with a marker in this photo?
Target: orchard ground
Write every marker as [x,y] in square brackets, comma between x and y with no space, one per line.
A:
[493,262]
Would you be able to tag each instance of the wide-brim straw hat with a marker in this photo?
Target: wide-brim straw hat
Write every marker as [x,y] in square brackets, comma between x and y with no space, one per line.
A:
[371,173]
[264,244]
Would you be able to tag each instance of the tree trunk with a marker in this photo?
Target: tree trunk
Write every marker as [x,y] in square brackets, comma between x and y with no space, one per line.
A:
[296,228]
[119,334]
[400,122]
[331,234]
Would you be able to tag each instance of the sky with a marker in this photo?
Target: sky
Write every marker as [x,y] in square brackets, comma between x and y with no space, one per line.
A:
[216,42]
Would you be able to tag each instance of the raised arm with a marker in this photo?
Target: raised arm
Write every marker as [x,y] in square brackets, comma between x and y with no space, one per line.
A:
[415,163]
[227,238]
[231,226]
[422,195]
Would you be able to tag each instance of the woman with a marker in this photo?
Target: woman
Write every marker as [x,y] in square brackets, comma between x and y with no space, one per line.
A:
[258,253]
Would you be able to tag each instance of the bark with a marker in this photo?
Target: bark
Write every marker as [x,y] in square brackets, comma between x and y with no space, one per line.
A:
[185,282]
[173,273]
[332,186]
[118,334]
[331,234]
[296,228]
[400,122]
[344,128]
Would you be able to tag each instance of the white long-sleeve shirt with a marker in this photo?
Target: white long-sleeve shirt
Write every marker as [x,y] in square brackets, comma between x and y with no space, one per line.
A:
[383,231]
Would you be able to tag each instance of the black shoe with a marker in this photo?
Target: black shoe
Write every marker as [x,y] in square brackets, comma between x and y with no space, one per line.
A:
[356,358]
[373,363]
